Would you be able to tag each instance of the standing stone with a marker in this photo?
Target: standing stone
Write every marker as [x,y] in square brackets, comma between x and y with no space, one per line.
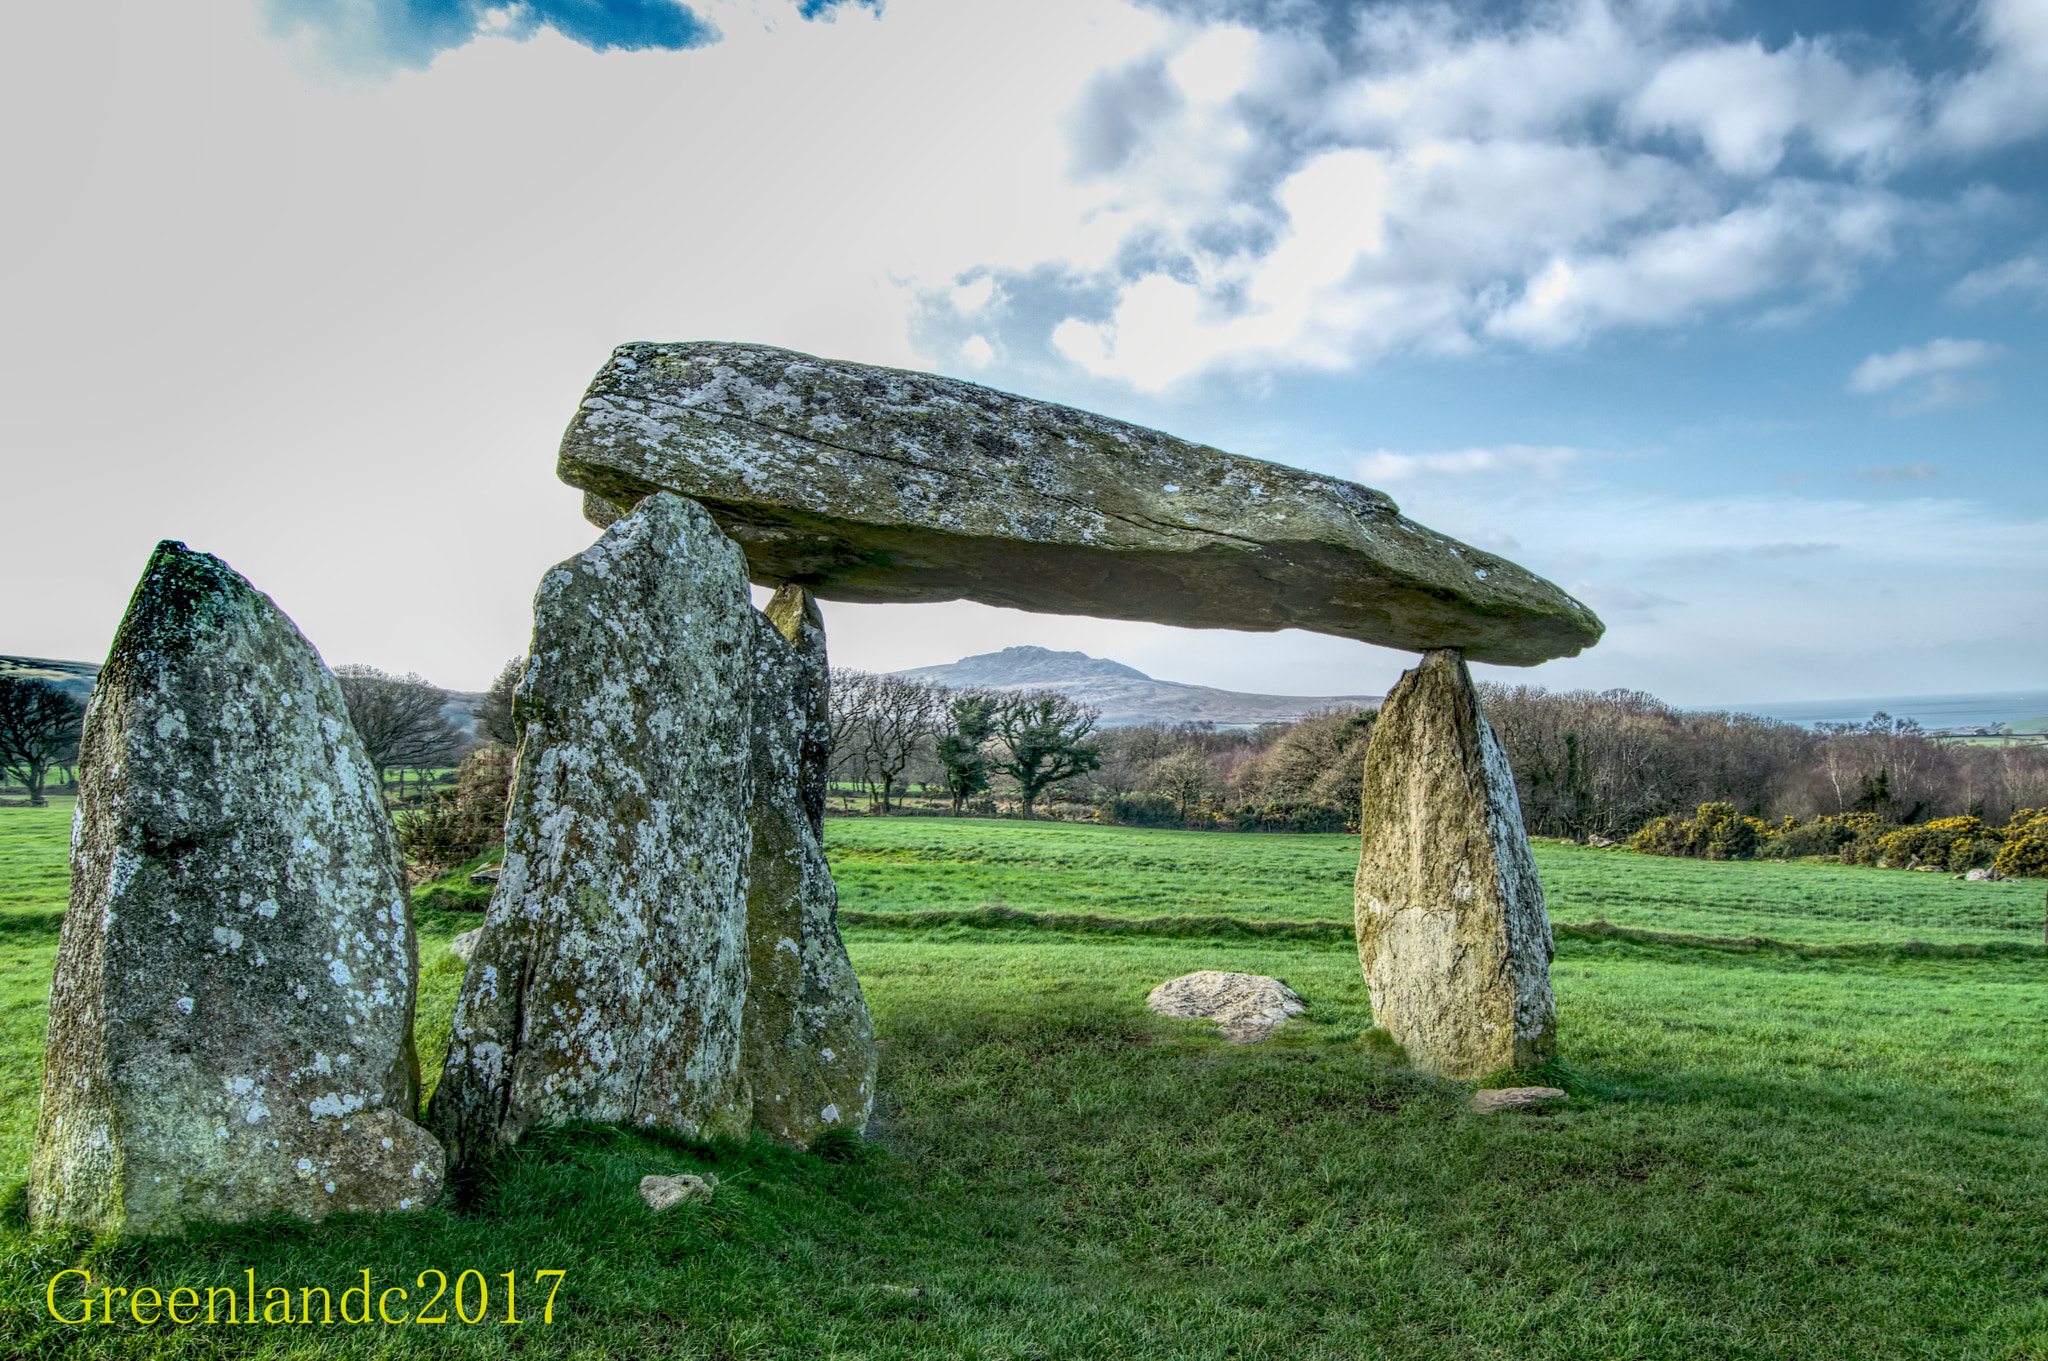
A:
[1452,931]
[794,613]
[231,1018]
[809,1048]
[611,977]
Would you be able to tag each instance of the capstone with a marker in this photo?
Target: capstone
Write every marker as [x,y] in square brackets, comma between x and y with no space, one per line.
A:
[231,1019]
[1453,935]
[874,484]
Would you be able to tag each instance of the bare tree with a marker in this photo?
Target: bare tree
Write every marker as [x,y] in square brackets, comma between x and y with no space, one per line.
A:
[494,722]
[399,719]
[39,727]
[1046,736]
[1185,776]
[880,724]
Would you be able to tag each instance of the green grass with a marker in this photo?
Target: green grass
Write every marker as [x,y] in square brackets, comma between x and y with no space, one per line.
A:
[1764,1154]
[943,864]
[35,858]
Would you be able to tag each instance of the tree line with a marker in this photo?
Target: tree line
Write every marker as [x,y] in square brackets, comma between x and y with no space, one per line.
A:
[1586,764]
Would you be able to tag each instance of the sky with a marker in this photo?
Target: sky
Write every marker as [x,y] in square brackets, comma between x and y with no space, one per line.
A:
[1729,318]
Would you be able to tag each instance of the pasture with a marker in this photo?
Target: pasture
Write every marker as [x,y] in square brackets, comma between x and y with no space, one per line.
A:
[1768,1150]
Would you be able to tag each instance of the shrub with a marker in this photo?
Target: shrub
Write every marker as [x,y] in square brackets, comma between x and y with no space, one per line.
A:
[1822,836]
[454,826]
[2025,852]
[1714,832]
[1139,810]
[1945,843]
[1302,816]
[2024,857]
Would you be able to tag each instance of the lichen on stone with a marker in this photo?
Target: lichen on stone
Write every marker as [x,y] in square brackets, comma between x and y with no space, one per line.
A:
[1453,935]
[231,1014]
[662,795]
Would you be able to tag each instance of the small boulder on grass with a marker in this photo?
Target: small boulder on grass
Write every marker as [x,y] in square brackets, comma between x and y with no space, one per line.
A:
[464,945]
[1512,1099]
[662,1193]
[1245,1007]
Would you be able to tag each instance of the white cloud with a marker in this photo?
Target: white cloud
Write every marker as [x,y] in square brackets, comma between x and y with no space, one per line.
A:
[1882,371]
[1928,373]
[1519,461]
[1591,166]
[2024,276]
[1746,104]
[2005,99]
[1885,474]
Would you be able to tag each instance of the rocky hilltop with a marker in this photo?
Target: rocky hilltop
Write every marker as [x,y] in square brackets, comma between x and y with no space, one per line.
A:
[1125,695]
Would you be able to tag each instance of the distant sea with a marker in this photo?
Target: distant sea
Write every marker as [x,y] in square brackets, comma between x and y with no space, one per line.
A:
[1932,711]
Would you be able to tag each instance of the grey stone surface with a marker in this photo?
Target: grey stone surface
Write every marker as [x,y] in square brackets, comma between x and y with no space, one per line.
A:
[809,1046]
[231,1016]
[612,973]
[463,946]
[665,1193]
[1245,1007]
[662,946]
[1512,1099]
[873,484]
[1452,930]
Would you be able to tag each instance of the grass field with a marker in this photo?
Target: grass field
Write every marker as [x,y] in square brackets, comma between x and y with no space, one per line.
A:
[1765,1154]
[943,864]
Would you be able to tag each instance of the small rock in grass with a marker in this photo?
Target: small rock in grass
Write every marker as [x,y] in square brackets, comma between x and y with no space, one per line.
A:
[1598,842]
[914,1292]
[464,945]
[487,875]
[1512,1098]
[662,1193]
[1244,1006]
[1979,876]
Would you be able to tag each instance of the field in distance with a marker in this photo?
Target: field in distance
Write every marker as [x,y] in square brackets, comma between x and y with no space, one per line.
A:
[917,864]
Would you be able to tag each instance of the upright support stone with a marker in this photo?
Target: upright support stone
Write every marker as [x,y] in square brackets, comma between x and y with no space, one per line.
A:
[231,1017]
[809,1045]
[794,613]
[610,980]
[1452,931]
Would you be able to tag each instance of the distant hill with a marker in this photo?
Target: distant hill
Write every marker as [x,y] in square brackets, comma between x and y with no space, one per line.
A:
[1125,695]
[75,678]
[78,678]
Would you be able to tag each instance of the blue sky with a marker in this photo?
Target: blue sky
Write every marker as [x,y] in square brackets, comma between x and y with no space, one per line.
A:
[1727,317]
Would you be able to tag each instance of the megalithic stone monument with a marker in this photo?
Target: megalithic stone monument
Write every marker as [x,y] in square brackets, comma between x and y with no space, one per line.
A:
[659,842]
[231,1017]
[1452,931]
[869,484]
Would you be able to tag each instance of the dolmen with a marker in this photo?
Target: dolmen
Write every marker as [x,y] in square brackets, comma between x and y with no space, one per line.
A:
[231,1018]
[860,483]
